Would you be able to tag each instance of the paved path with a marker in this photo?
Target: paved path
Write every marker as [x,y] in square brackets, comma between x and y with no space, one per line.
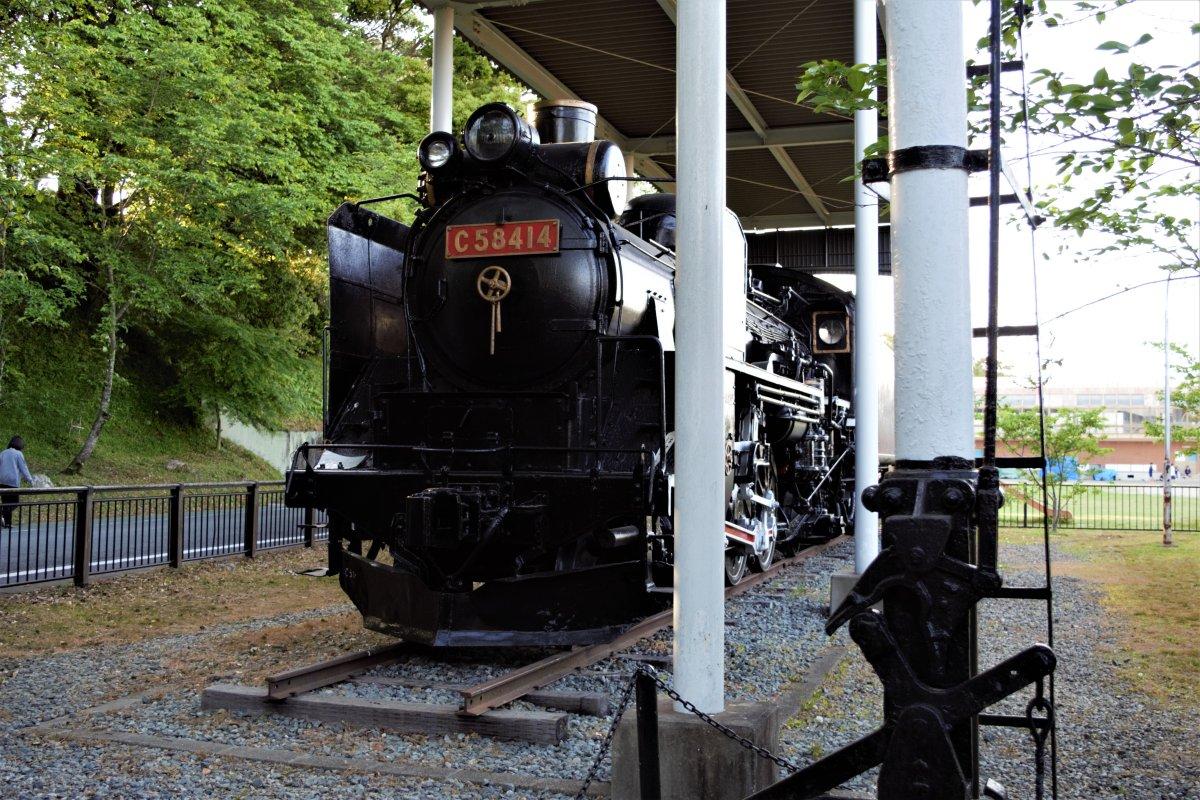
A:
[40,545]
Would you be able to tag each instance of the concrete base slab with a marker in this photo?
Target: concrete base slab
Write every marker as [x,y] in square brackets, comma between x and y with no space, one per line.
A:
[697,762]
[840,584]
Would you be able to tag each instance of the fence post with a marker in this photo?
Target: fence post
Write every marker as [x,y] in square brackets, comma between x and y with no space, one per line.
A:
[647,736]
[83,536]
[251,519]
[310,519]
[175,526]
[1025,515]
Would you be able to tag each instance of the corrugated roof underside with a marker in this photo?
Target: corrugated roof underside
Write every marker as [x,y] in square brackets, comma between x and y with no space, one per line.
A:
[621,56]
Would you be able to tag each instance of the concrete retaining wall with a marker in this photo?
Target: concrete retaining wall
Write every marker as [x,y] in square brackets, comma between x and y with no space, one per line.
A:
[274,447]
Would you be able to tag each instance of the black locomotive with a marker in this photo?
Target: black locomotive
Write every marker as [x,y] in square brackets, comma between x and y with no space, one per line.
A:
[499,439]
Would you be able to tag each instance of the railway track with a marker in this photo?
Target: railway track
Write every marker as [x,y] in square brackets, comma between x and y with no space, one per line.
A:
[524,682]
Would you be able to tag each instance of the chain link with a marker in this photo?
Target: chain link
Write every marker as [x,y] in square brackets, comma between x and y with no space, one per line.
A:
[627,695]
[1040,732]
[762,752]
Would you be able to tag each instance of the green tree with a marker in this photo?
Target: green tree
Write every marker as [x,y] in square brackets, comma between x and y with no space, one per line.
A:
[1127,145]
[1070,433]
[1185,396]
[192,152]
[1132,168]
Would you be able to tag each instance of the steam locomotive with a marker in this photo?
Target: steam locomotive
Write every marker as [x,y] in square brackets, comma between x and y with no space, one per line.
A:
[499,446]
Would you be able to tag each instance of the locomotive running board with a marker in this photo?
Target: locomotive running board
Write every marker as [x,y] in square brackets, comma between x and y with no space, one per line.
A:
[770,378]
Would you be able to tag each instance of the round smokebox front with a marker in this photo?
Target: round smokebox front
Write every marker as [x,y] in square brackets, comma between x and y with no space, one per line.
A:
[510,292]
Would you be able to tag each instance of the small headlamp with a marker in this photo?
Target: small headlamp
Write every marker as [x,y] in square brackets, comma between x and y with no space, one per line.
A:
[495,133]
[831,332]
[438,151]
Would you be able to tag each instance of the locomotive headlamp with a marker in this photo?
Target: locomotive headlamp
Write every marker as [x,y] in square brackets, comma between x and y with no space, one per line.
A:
[831,332]
[437,151]
[495,133]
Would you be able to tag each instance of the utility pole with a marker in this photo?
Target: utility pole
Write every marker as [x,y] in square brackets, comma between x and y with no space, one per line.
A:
[1168,538]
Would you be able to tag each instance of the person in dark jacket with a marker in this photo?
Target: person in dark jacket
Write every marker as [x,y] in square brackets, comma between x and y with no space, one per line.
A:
[13,470]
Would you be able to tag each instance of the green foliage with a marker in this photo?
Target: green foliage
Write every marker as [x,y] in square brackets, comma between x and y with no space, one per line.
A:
[1132,166]
[833,87]
[53,403]
[168,168]
[1185,396]
[1070,433]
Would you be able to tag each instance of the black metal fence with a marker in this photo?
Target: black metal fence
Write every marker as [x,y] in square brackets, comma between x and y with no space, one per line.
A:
[78,532]
[1105,506]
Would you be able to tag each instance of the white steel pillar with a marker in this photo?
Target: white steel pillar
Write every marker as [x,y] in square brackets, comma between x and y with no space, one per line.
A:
[867,344]
[699,358]
[928,106]
[441,106]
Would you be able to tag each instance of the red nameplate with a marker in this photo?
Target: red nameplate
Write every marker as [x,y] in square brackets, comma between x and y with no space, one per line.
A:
[531,237]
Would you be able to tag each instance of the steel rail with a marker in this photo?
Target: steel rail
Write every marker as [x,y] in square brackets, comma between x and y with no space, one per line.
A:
[325,673]
[484,697]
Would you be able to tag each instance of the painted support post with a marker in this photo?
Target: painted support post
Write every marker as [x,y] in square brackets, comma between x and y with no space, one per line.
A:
[699,610]
[175,526]
[867,345]
[310,523]
[251,528]
[441,109]
[84,506]
[928,106]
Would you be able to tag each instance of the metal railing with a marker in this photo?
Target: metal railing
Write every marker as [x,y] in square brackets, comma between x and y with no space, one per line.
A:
[1105,506]
[83,531]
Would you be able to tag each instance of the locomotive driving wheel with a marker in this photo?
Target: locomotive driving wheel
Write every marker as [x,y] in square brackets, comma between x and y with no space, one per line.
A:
[736,557]
[753,507]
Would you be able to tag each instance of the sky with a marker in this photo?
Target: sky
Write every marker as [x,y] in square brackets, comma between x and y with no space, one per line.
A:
[1107,344]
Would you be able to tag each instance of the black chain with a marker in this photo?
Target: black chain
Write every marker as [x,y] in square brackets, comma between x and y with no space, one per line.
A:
[762,752]
[626,696]
[1040,730]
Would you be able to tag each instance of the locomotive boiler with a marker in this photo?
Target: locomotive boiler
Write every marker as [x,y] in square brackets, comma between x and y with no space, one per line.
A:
[499,448]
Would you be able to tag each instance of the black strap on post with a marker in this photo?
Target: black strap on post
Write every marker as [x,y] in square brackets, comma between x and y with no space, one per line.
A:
[649,777]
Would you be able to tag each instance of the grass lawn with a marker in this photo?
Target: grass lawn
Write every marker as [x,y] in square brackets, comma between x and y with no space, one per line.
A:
[1110,507]
[1151,591]
[134,607]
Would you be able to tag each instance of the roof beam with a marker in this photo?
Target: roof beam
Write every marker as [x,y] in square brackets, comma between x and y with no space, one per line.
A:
[489,38]
[797,136]
[770,222]
[737,95]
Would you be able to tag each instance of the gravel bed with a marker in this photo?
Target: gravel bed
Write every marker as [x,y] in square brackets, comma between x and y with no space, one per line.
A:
[49,769]
[45,687]
[773,633]
[1113,742]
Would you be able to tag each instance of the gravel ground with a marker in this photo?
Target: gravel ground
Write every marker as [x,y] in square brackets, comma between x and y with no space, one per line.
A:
[773,633]
[1113,742]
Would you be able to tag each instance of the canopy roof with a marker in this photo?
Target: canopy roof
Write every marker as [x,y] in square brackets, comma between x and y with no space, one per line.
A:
[786,165]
